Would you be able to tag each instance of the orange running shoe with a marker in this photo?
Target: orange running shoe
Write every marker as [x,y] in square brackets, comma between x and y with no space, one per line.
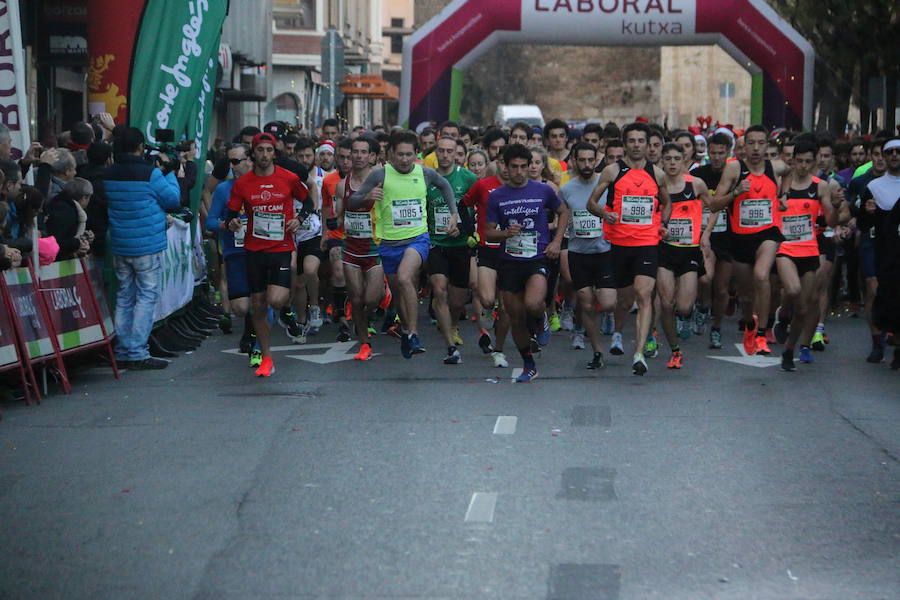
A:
[365,353]
[750,341]
[267,368]
[675,361]
[762,347]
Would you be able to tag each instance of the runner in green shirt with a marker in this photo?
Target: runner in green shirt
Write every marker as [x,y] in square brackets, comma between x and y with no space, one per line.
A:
[449,259]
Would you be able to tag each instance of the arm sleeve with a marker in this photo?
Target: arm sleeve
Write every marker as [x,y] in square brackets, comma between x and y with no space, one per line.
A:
[216,213]
[166,189]
[434,178]
[358,200]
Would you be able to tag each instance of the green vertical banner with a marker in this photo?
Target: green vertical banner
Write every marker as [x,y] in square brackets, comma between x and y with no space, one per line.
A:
[177,40]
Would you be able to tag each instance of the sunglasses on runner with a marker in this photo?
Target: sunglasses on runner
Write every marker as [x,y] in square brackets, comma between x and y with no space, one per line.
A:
[890,151]
[236,161]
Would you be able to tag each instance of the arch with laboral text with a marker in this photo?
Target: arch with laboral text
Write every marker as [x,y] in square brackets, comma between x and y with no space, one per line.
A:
[779,59]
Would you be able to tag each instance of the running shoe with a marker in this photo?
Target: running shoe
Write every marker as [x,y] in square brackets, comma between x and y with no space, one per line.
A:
[457,339]
[533,345]
[453,357]
[405,350]
[675,361]
[394,330]
[567,319]
[529,374]
[294,330]
[499,360]
[684,327]
[715,339]
[781,327]
[578,339]
[596,362]
[344,333]
[415,346]
[225,323]
[762,346]
[616,348]
[818,341]
[485,342]
[554,322]
[876,355]
[390,319]
[640,365]
[543,336]
[246,344]
[315,319]
[750,341]
[266,368]
[805,354]
[365,353]
[609,323]
[787,360]
[651,347]
[256,357]
[699,320]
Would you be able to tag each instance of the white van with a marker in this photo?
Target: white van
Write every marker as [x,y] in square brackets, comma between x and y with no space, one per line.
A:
[508,114]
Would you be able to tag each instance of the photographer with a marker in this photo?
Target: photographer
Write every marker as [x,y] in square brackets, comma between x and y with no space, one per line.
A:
[138,196]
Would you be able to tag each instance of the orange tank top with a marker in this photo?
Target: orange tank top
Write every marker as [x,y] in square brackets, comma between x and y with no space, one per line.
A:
[634,196]
[797,223]
[686,222]
[754,211]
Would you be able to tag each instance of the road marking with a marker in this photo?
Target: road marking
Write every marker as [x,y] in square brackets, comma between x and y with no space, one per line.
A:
[336,352]
[481,507]
[505,425]
[748,360]
[515,373]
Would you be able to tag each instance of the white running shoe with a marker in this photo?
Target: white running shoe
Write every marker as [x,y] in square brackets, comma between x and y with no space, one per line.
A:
[315,317]
[616,347]
[499,360]
[578,340]
[567,319]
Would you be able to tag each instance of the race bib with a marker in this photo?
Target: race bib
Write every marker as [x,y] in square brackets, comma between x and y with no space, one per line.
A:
[585,225]
[241,233]
[756,212]
[797,228]
[358,225]
[721,223]
[681,232]
[523,245]
[637,210]
[406,213]
[441,220]
[268,225]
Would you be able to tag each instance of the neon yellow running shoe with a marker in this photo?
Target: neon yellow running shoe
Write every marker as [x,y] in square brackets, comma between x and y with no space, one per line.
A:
[256,357]
[554,322]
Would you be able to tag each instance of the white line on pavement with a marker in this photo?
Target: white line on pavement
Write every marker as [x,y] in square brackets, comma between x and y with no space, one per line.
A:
[481,507]
[505,425]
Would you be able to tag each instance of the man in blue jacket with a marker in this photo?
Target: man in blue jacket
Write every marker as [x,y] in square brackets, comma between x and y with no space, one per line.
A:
[138,196]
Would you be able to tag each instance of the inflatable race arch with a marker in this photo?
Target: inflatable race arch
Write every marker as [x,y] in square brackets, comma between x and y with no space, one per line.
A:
[778,58]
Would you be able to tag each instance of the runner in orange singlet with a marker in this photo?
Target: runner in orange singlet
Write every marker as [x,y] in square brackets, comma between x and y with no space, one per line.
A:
[750,188]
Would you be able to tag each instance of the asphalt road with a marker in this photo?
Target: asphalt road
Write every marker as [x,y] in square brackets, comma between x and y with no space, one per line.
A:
[412,479]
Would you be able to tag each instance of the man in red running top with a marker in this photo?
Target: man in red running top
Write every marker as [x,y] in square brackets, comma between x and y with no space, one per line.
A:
[267,195]
[750,188]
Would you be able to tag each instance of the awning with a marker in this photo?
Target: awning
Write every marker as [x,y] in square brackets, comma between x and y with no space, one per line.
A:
[369,86]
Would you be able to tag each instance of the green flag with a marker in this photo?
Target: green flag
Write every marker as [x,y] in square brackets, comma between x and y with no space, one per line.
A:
[176,41]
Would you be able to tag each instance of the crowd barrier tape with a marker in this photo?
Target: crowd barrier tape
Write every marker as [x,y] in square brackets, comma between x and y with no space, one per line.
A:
[61,312]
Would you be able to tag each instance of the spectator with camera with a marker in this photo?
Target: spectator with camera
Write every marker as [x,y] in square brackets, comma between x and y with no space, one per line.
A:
[138,196]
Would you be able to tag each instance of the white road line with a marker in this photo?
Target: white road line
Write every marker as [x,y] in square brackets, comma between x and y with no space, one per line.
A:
[481,507]
[515,373]
[505,425]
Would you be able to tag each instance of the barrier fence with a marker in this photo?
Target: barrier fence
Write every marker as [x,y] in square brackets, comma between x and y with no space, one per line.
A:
[45,318]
